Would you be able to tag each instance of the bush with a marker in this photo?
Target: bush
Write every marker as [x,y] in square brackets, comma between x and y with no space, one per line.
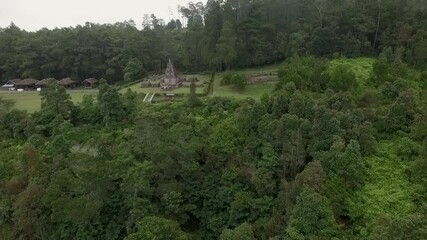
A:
[227,78]
[305,72]
[343,78]
[239,82]
[408,149]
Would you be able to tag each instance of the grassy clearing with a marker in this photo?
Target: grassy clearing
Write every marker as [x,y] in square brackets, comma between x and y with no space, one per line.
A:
[27,101]
[388,190]
[30,101]
[252,90]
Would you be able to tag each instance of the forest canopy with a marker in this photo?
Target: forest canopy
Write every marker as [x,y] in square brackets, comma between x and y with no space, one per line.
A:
[308,161]
[219,35]
[338,150]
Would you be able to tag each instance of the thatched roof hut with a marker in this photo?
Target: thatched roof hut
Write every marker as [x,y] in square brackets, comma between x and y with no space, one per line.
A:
[26,83]
[67,82]
[90,82]
[45,82]
[11,83]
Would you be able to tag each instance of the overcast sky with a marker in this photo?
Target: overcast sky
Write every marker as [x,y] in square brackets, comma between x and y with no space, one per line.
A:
[32,15]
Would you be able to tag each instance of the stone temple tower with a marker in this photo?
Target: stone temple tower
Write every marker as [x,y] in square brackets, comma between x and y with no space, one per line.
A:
[171,79]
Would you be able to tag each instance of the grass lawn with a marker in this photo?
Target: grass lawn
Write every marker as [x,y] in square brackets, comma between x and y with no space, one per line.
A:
[254,91]
[30,101]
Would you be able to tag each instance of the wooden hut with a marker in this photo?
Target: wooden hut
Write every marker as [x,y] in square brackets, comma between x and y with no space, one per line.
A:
[11,83]
[67,83]
[43,83]
[90,82]
[26,83]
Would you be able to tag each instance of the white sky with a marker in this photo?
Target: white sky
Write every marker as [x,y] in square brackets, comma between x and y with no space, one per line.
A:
[33,15]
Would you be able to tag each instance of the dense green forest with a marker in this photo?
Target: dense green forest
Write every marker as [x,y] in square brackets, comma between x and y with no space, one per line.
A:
[334,152]
[217,36]
[327,155]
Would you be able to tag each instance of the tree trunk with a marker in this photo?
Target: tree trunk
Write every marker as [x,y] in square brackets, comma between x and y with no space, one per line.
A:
[377,28]
[319,6]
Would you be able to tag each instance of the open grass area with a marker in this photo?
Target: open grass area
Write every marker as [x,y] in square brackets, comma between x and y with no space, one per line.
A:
[254,91]
[27,101]
[30,100]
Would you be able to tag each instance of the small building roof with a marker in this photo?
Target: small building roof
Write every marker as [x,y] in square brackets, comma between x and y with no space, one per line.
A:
[11,83]
[66,81]
[15,81]
[45,81]
[26,82]
[90,80]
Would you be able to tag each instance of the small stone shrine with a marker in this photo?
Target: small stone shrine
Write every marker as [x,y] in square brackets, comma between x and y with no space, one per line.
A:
[171,80]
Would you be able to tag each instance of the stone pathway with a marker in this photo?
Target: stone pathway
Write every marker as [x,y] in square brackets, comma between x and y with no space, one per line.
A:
[149,97]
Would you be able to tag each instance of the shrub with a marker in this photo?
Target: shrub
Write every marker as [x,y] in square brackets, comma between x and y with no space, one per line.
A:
[227,78]
[342,78]
[407,149]
[239,82]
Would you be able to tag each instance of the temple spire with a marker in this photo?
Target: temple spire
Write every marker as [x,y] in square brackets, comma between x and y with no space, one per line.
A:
[171,79]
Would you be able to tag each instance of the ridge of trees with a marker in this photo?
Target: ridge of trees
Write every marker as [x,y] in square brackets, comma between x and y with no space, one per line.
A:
[218,36]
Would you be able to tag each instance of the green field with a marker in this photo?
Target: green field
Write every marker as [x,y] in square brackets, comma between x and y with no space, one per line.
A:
[252,90]
[30,101]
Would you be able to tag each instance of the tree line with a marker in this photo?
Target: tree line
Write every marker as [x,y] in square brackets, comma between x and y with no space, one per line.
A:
[219,35]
